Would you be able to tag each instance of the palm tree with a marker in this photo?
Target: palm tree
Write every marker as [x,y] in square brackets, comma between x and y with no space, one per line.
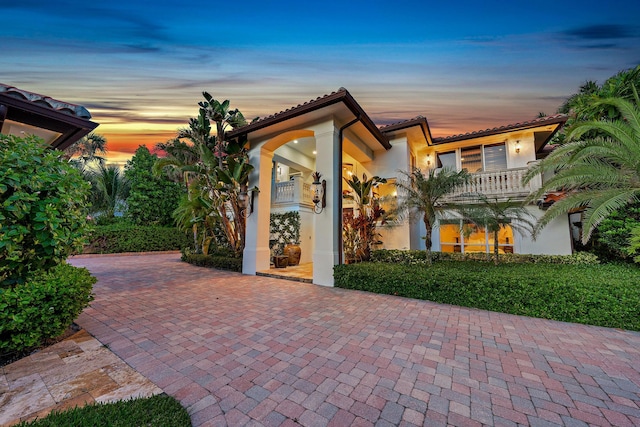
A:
[600,174]
[496,215]
[423,195]
[109,189]
[89,149]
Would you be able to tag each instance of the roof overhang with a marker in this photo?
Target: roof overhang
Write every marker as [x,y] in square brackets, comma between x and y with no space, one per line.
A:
[548,127]
[416,130]
[340,105]
[59,123]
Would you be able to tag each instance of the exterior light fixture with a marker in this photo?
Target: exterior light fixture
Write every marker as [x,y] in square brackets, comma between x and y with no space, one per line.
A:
[245,200]
[318,189]
[428,159]
[517,146]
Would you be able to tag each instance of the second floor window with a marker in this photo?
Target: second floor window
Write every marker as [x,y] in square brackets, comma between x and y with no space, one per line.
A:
[481,158]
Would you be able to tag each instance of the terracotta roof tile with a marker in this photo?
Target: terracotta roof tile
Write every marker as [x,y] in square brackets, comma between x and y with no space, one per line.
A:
[45,101]
[278,114]
[416,119]
[557,118]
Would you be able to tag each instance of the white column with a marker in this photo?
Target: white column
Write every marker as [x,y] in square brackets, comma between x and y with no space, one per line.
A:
[327,223]
[256,255]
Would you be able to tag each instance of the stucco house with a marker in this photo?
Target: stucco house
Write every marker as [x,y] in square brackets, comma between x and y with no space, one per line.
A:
[333,135]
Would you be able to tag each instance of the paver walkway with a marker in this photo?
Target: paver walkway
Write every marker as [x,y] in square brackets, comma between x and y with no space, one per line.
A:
[243,350]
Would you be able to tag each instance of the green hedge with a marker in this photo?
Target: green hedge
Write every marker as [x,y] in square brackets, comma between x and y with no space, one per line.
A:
[126,237]
[413,257]
[604,295]
[43,307]
[219,261]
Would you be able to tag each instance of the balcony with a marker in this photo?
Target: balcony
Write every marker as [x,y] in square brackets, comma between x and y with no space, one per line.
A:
[293,192]
[502,184]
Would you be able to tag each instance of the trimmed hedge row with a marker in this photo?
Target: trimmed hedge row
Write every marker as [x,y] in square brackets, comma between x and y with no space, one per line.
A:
[43,307]
[415,257]
[602,295]
[214,261]
[126,237]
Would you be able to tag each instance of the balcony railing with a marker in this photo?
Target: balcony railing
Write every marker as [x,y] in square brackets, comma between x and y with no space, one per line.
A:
[292,192]
[502,184]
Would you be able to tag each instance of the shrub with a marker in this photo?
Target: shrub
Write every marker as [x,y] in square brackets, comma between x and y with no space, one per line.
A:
[603,295]
[43,307]
[151,198]
[42,208]
[414,257]
[222,261]
[122,236]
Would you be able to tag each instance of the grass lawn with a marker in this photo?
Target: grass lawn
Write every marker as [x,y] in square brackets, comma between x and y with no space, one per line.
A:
[160,410]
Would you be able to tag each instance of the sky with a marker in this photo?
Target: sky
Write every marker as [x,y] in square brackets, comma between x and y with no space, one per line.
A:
[140,66]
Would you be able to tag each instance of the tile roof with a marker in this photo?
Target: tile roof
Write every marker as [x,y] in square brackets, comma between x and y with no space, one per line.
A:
[403,124]
[45,101]
[341,95]
[557,118]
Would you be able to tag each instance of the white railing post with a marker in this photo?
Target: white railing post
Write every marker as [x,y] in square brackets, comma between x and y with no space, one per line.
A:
[297,189]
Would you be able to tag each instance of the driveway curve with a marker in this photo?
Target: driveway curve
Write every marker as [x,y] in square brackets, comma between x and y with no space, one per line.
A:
[244,350]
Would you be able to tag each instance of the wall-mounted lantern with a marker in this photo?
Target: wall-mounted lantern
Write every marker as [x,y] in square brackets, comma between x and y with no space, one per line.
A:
[318,189]
[517,146]
[245,200]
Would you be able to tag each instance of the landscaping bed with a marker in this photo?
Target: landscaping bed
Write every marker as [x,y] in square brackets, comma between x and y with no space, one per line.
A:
[603,295]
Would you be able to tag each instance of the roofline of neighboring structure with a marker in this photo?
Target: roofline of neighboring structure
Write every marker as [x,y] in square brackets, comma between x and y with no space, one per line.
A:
[342,95]
[416,121]
[543,121]
[71,120]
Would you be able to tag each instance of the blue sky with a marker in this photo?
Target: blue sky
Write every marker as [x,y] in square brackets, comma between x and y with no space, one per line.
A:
[140,66]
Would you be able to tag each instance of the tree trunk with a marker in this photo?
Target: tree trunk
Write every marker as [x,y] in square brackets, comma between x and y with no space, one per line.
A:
[495,247]
[427,239]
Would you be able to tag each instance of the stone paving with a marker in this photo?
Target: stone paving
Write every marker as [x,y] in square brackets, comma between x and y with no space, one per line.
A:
[245,350]
[74,372]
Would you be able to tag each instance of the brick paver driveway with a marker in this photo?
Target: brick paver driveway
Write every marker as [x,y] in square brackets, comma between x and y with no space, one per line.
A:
[243,350]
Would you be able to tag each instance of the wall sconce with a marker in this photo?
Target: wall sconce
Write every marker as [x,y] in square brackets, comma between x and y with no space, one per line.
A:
[517,146]
[428,159]
[245,200]
[319,192]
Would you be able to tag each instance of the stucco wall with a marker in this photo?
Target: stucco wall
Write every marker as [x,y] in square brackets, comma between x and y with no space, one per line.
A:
[554,239]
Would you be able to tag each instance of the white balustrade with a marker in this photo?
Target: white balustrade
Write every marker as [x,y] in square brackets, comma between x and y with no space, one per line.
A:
[294,191]
[502,183]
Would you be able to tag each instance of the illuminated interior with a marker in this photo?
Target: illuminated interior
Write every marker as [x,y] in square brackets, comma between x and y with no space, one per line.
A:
[10,127]
[471,239]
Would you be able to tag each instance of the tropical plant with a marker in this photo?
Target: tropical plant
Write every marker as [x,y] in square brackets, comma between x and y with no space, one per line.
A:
[423,195]
[151,198]
[43,208]
[496,215]
[88,150]
[634,244]
[359,230]
[109,190]
[216,169]
[599,174]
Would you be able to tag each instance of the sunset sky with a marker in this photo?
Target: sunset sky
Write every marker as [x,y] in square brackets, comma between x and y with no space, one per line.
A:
[140,66]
